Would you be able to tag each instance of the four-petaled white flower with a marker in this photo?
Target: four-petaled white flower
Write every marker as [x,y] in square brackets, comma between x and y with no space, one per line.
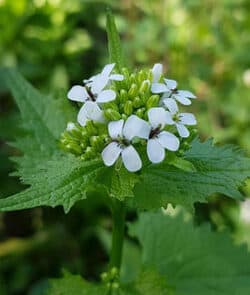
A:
[169,87]
[157,139]
[93,93]
[122,134]
[174,117]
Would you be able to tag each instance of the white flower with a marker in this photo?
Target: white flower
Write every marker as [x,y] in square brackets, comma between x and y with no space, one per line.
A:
[169,87]
[122,134]
[94,93]
[157,139]
[178,119]
[90,111]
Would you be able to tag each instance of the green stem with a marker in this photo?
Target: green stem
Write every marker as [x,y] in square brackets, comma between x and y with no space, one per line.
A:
[118,214]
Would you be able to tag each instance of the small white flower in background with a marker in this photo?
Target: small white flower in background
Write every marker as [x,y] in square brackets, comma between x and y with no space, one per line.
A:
[178,119]
[94,93]
[157,139]
[169,87]
[121,134]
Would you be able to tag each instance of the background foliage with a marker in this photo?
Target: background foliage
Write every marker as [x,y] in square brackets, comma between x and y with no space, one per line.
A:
[56,43]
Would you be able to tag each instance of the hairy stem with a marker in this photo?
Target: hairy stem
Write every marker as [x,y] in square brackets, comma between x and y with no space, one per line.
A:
[118,214]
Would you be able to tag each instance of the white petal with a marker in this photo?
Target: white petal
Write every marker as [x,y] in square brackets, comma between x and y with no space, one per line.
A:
[169,141]
[107,69]
[78,93]
[136,127]
[171,104]
[157,117]
[187,119]
[111,153]
[106,96]
[90,110]
[186,93]
[157,72]
[182,130]
[171,84]
[99,82]
[155,151]
[166,94]
[169,118]
[116,77]
[182,99]
[115,128]
[131,159]
[159,88]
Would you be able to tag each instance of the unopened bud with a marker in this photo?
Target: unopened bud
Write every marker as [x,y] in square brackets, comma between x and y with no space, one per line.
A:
[145,85]
[153,101]
[128,107]
[137,102]
[112,115]
[132,79]
[133,91]
[123,95]
[90,128]
[140,112]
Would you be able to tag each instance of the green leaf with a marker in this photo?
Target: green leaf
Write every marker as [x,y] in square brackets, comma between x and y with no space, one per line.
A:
[114,43]
[218,170]
[55,178]
[118,183]
[62,180]
[74,285]
[192,259]
[148,283]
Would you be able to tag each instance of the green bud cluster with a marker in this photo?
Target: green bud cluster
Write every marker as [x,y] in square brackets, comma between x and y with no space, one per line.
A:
[133,96]
[86,142]
[111,278]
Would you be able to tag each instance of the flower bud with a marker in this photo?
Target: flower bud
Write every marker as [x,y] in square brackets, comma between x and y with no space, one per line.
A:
[90,128]
[153,101]
[96,142]
[144,86]
[140,112]
[137,102]
[74,148]
[128,107]
[141,76]
[132,79]
[89,153]
[123,95]
[112,115]
[133,91]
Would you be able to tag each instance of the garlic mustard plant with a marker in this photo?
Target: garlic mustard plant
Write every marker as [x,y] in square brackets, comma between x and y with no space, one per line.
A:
[126,137]
[132,105]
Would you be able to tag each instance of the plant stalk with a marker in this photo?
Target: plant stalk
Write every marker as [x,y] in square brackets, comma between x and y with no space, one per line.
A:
[118,214]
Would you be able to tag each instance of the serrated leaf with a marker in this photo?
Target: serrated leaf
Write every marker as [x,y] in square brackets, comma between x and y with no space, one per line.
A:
[74,285]
[62,180]
[114,43]
[43,115]
[193,260]
[55,178]
[218,170]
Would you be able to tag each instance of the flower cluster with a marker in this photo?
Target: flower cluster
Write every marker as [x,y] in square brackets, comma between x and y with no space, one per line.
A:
[123,113]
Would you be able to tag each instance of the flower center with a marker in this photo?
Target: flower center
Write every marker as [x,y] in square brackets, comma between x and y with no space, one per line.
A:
[154,132]
[92,96]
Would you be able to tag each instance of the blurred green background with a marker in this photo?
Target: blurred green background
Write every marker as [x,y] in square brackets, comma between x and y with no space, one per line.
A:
[205,45]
